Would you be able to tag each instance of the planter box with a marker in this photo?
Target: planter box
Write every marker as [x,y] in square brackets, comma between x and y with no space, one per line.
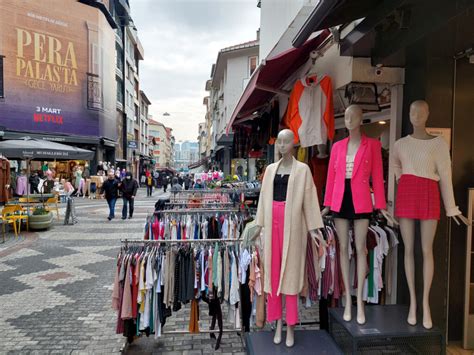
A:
[37,222]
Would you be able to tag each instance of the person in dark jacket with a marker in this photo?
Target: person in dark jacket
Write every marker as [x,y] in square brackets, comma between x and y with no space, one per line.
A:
[129,189]
[187,182]
[110,189]
[34,183]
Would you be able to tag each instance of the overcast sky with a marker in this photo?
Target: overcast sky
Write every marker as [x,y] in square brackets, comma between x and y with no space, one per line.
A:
[181,39]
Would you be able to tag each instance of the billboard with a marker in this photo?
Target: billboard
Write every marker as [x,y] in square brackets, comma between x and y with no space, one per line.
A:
[58,68]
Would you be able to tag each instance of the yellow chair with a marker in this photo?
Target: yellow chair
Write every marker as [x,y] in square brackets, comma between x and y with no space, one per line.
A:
[51,204]
[6,221]
[14,214]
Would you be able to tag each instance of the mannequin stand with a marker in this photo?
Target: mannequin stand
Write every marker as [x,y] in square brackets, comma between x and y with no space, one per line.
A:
[307,342]
[378,335]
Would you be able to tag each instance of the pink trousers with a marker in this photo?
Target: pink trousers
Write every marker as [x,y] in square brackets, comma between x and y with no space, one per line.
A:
[274,306]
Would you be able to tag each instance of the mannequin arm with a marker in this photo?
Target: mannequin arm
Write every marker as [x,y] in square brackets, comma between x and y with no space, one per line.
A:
[254,237]
[325,211]
[389,217]
[317,237]
[462,218]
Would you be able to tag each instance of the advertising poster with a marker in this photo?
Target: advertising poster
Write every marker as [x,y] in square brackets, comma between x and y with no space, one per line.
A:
[59,68]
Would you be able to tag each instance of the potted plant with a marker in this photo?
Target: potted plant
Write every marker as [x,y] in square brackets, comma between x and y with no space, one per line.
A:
[40,219]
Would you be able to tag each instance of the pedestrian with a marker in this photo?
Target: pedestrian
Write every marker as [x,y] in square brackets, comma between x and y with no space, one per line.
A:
[123,173]
[149,185]
[117,174]
[34,183]
[156,176]
[176,186]
[180,179]
[129,189]
[110,189]
[164,181]
[187,182]
[198,184]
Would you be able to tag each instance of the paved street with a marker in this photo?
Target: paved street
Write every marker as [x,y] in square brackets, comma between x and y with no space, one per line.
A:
[56,290]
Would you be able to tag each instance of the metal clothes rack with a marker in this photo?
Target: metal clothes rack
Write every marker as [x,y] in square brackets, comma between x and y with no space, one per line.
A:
[239,331]
[199,210]
[218,191]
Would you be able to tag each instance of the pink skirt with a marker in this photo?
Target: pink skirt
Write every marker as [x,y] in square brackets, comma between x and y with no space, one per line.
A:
[417,198]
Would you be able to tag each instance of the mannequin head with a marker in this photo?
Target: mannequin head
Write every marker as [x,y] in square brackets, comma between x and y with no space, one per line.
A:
[285,142]
[353,117]
[419,112]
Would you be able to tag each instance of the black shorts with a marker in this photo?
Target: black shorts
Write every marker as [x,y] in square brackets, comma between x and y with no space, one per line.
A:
[347,210]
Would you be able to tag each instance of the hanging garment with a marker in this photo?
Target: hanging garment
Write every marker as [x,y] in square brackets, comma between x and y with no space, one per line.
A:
[310,112]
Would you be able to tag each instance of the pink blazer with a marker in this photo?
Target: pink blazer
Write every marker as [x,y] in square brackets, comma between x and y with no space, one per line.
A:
[367,165]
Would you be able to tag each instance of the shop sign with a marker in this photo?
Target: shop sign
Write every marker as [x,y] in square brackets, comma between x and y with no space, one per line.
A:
[63,64]
[132,144]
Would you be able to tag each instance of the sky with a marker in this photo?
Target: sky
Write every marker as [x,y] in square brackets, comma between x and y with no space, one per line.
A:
[181,40]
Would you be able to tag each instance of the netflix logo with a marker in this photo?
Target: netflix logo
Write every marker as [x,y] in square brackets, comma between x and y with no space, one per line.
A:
[48,115]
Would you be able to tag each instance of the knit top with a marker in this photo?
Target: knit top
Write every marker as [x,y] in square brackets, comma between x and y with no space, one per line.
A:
[427,158]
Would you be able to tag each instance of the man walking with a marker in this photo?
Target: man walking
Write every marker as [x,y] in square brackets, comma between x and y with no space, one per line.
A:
[129,189]
[110,189]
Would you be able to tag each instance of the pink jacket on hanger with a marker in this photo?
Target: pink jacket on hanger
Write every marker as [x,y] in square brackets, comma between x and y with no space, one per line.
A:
[367,166]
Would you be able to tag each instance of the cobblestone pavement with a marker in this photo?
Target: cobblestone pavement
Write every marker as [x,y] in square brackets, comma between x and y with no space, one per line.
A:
[55,293]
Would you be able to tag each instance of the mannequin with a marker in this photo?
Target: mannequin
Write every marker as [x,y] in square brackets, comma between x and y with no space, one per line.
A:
[288,195]
[354,160]
[420,161]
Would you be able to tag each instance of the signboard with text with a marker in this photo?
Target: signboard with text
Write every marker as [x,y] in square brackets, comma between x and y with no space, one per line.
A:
[59,68]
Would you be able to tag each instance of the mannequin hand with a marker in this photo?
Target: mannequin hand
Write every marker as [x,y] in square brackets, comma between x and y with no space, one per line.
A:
[389,217]
[325,211]
[462,218]
[318,239]
[256,235]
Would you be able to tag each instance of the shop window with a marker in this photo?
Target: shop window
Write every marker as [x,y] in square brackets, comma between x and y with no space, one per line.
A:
[252,64]
[1,77]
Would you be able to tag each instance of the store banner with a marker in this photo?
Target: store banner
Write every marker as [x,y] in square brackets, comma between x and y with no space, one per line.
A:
[58,68]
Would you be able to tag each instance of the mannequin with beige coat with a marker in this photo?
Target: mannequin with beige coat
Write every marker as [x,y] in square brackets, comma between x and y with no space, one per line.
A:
[288,209]
[422,167]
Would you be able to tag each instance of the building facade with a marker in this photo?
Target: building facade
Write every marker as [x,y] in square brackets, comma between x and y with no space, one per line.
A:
[229,76]
[161,146]
[63,60]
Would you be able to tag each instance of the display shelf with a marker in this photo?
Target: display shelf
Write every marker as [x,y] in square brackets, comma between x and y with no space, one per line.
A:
[386,331]
[307,342]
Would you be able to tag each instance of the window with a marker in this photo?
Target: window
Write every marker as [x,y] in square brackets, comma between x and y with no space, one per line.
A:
[2,93]
[252,64]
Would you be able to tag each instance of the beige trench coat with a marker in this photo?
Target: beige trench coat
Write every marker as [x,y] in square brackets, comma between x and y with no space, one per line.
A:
[302,214]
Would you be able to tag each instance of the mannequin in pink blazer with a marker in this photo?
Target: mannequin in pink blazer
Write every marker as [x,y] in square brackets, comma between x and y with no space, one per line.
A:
[367,165]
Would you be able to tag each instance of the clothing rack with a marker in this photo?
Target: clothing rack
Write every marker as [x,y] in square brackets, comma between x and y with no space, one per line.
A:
[217,191]
[164,241]
[239,331]
[199,211]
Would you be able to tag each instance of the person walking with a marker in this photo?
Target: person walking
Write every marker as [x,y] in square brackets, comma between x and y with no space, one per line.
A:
[176,186]
[187,182]
[156,176]
[149,185]
[110,189]
[164,182]
[129,189]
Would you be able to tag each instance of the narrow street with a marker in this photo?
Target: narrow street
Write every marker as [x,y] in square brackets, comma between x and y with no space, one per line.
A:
[59,282]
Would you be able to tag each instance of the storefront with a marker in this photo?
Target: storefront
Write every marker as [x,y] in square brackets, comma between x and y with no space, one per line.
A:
[383,63]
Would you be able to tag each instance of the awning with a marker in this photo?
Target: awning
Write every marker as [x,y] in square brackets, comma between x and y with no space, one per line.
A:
[329,13]
[270,76]
[29,148]
[199,163]
[53,138]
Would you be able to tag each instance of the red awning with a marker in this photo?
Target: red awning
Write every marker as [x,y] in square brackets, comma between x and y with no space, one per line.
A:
[269,77]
